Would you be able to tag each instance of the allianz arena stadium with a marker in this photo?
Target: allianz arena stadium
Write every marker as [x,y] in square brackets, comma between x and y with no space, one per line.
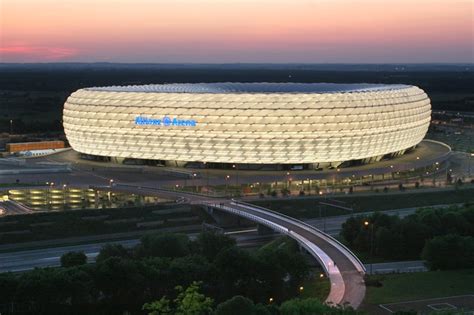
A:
[312,125]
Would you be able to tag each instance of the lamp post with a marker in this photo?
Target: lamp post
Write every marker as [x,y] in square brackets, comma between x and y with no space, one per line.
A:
[321,217]
[470,157]
[194,182]
[236,167]
[226,183]
[64,196]
[207,177]
[371,236]
[11,127]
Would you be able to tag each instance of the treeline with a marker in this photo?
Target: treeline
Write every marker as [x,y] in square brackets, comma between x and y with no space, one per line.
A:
[192,302]
[444,237]
[20,126]
[125,279]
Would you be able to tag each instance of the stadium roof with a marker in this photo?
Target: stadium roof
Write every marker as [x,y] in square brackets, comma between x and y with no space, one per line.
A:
[229,87]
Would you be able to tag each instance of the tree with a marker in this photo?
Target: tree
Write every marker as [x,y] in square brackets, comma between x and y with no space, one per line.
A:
[78,285]
[450,251]
[236,306]
[209,244]
[164,245]
[387,243]
[71,259]
[188,302]
[412,237]
[112,250]
[121,280]
[185,270]
[350,229]
[236,271]
[8,287]
[159,307]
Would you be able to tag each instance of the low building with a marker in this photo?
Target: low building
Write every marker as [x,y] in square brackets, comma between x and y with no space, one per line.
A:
[33,146]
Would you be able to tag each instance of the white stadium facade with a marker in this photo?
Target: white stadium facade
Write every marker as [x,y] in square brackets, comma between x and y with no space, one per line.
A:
[312,125]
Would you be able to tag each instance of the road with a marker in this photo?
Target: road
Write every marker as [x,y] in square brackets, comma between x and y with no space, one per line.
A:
[50,257]
[29,259]
[85,172]
[10,207]
[396,267]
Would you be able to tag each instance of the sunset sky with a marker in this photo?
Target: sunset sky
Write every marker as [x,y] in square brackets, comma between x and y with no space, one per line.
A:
[221,31]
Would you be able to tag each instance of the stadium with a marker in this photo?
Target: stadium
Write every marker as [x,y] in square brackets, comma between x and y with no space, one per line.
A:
[299,125]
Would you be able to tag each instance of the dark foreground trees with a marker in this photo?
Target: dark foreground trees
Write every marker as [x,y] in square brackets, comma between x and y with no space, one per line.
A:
[191,301]
[124,279]
[72,259]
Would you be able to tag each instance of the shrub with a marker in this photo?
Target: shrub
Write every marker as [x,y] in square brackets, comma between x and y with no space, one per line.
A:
[72,259]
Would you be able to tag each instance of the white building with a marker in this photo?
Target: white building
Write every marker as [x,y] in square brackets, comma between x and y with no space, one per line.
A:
[316,124]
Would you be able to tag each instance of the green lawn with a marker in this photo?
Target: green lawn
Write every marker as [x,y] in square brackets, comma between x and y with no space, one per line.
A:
[421,285]
[308,207]
[316,288]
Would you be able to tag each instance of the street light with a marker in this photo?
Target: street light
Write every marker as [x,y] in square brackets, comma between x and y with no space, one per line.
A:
[235,166]
[226,183]
[371,236]
[111,182]
[470,156]
[207,177]
[301,288]
[11,126]
[270,300]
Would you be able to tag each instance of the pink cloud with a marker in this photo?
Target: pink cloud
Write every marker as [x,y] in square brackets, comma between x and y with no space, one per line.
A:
[22,53]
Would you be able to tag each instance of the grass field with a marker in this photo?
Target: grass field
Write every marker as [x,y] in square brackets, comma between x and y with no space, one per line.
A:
[308,207]
[421,285]
[316,288]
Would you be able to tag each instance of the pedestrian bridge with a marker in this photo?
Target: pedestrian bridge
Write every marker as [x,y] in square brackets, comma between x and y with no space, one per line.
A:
[344,270]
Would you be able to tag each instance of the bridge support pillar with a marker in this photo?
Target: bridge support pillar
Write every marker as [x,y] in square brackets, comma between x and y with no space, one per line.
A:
[224,219]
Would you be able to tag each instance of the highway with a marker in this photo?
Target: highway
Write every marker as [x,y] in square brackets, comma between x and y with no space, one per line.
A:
[10,207]
[50,257]
[29,259]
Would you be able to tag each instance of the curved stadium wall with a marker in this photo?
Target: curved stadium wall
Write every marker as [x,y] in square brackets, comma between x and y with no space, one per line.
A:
[249,123]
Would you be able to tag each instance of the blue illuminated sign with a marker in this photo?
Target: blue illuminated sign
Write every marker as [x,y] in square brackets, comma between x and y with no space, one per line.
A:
[165,121]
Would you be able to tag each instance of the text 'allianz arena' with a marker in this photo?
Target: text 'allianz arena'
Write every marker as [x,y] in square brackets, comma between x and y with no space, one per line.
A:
[319,124]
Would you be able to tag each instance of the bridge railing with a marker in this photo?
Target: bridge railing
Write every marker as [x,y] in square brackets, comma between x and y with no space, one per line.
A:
[346,251]
[322,258]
